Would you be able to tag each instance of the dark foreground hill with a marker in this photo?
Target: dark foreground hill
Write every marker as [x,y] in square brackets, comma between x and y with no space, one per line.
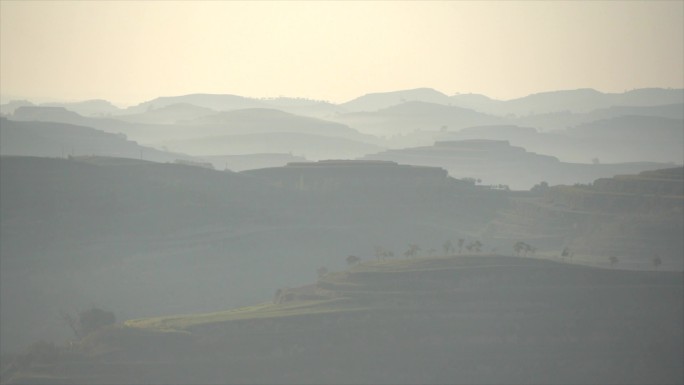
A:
[462,319]
[143,239]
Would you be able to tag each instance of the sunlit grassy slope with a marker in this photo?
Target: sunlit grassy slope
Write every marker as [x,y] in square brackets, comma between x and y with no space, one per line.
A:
[376,285]
[459,319]
[264,310]
[338,291]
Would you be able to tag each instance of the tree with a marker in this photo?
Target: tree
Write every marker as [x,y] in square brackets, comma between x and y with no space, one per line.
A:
[412,251]
[94,319]
[378,251]
[656,260]
[566,253]
[518,247]
[543,186]
[352,259]
[523,247]
[448,247]
[470,181]
[89,321]
[613,260]
[460,243]
[477,246]
[322,272]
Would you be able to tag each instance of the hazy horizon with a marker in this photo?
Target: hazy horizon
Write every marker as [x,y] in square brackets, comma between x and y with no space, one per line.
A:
[493,192]
[130,52]
[47,100]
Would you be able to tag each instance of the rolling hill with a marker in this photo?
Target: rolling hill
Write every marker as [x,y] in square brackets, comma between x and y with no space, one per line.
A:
[377,101]
[458,319]
[415,115]
[50,139]
[575,101]
[632,217]
[216,102]
[167,114]
[310,146]
[497,162]
[127,234]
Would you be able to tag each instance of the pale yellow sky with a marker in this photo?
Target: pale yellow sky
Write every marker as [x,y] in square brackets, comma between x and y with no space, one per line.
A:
[128,52]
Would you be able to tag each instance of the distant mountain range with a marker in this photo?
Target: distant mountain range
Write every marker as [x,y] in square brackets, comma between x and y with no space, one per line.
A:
[59,140]
[578,101]
[581,100]
[579,126]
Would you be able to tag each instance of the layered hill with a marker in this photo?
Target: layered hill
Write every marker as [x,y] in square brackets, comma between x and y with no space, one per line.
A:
[381,100]
[574,125]
[496,162]
[634,218]
[216,102]
[129,235]
[50,139]
[251,161]
[577,101]
[201,131]
[310,146]
[415,115]
[472,319]
[619,139]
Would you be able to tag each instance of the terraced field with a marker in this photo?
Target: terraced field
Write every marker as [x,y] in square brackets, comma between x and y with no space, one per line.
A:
[459,319]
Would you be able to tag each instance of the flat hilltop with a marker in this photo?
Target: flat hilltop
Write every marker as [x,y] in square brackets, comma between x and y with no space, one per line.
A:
[452,319]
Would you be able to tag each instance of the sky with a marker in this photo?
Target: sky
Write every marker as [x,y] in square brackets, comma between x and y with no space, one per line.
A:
[128,52]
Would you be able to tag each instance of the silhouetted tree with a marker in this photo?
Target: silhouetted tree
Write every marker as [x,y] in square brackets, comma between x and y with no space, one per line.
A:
[518,247]
[89,321]
[470,181]
[72,323]
[412,251]
[352,259]
[566,253]
[656,260]
[523,247]
[378,251]
[448,247]
[477,246]
[540,188]
[460,243]
[613,260]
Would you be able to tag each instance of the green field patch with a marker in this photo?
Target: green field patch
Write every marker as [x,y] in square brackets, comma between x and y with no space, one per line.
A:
[260,311]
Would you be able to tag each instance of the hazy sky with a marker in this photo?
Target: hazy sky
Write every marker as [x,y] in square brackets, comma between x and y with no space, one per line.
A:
[128,52]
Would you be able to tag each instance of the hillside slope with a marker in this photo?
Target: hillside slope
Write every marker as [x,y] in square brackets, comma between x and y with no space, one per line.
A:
[631,217]
[127,234]
[462,319]
[498,162]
